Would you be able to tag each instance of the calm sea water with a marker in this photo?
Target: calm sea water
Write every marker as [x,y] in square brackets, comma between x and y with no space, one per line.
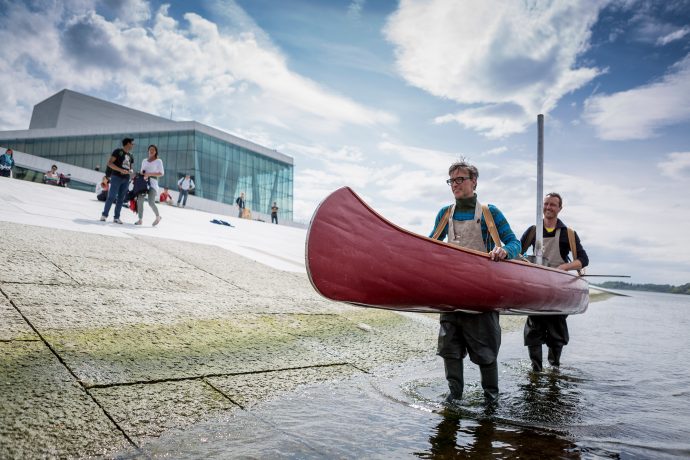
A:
[623,391]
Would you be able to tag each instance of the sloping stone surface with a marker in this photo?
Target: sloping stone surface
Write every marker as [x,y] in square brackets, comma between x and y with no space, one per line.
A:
[12,325]
[44,412]
[146,411]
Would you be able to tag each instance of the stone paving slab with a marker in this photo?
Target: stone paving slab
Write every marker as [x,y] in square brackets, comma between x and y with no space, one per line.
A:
[231,436]
[250,389]
[251,276]
[419,331]
[143,274]
[56,242]
[151,352]
[269,289]
[147,410]
[362,346]
[74,307]
[44,412]
[20,266]
[12,325]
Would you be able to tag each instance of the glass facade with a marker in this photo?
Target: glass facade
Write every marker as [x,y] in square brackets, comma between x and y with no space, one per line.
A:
[221,170]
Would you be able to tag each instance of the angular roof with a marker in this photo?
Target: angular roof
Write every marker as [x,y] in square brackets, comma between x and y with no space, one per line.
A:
[69,109]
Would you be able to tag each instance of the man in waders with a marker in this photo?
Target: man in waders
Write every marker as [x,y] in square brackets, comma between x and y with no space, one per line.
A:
[462,333]
[559,241]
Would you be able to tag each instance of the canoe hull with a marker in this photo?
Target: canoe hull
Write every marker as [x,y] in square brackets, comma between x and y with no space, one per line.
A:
[354,255]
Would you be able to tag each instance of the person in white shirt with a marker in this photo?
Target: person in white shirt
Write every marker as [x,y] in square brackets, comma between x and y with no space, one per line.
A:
[102,189]
[184,185]
[152,169]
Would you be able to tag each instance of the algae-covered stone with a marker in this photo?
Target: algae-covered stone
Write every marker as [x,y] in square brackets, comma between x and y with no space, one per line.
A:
[147,410]
[44,412]
[146,352]
[349,342]
[12,325]
[249,389]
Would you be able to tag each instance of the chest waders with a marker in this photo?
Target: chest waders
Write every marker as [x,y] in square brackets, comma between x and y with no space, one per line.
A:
[476,334]
[551,330]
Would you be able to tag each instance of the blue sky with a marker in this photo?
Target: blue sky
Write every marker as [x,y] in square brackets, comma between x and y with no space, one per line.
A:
[382,96]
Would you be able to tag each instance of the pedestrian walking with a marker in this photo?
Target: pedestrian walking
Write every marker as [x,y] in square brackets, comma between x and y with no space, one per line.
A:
[151,169]
[120,168]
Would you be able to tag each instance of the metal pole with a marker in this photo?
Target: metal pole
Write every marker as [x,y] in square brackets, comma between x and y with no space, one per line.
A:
[539,240]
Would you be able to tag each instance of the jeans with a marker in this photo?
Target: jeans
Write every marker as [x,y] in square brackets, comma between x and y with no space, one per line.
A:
[274,218]
[183,193]
[116,194]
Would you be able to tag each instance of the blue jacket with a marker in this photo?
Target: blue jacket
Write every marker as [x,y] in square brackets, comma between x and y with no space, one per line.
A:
[6,161]
[510,242]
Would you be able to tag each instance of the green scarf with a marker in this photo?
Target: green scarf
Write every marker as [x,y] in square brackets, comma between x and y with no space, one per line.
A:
[466,204]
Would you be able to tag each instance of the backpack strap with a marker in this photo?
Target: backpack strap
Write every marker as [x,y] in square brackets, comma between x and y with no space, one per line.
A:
[442,223]
[573,245]
[491,225]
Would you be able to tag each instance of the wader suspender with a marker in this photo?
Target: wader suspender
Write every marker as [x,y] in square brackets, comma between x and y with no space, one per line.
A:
[491,225]
[488,219]
[573,247]
[442,223]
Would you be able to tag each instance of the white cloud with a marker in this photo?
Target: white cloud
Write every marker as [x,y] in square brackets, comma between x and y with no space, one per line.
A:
[206,74]
[496,151]
[673,36]
[676,165]
[639,113]
[516,59]
[431,160]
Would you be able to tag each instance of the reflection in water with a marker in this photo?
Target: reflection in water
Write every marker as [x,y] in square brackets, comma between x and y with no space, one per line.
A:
[459,437]
[548,399]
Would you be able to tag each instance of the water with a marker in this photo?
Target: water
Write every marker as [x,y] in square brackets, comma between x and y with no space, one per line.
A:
[623,391]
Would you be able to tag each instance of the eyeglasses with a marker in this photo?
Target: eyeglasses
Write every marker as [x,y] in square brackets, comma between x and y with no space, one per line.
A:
[457,180]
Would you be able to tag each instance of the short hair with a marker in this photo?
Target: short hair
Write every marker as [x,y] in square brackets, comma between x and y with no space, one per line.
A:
[127,140]
[54,166]
[155,148]
[9,150]
[556,195]
[464,164]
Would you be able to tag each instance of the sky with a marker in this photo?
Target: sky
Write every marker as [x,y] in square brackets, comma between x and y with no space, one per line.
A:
[383,96]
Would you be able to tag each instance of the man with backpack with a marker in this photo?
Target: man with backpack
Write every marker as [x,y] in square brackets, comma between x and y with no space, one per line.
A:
[120,169]
[184,186]
[559,240]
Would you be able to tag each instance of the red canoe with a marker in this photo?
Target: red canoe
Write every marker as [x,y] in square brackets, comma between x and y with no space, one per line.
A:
[354,255]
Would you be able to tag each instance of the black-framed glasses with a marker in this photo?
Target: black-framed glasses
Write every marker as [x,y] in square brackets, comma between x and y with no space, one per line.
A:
[457,180]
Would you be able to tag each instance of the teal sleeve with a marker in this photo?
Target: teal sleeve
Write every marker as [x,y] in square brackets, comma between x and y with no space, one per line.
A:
[443,234]
[510,242]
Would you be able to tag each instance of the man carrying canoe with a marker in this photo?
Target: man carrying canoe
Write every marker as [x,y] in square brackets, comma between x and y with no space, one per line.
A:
[468,224]
[559,241]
